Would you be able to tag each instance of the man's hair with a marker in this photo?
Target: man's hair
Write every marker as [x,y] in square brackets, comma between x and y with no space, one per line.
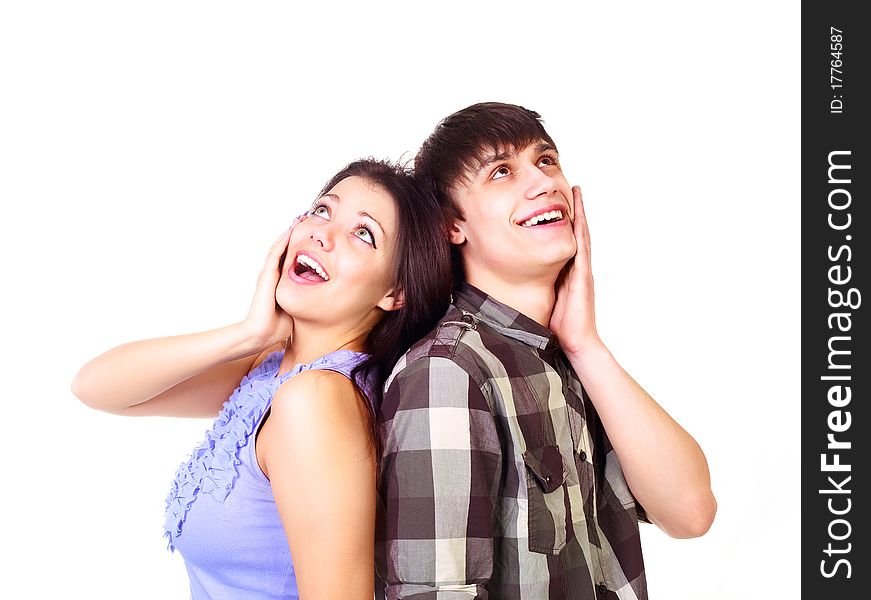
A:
[459,144]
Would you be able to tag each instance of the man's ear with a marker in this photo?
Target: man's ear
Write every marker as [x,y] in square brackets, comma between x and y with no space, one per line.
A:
[456,234]
[392,300]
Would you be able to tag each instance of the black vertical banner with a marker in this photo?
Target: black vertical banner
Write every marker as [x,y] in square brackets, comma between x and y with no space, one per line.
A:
[836,299]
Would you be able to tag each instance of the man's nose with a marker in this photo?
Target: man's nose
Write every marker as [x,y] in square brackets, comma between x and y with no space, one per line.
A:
[538,183]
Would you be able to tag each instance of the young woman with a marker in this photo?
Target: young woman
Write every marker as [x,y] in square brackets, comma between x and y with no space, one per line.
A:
[288,468]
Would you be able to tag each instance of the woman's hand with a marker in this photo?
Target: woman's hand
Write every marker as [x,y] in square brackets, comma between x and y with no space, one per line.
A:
[189,375]
[267,323]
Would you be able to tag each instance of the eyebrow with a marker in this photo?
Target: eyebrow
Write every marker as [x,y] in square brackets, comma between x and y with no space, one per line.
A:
[489,159]
[361,213]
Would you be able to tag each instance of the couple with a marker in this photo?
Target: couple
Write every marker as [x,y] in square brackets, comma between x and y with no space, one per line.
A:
[462,435]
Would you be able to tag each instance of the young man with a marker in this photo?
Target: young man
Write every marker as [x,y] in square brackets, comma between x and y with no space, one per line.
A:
[517,453]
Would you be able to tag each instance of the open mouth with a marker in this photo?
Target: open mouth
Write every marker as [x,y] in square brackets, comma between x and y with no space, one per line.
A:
[551,216]
[306,267]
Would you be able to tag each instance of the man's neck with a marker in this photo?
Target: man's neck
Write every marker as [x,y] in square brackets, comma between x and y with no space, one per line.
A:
[531,297]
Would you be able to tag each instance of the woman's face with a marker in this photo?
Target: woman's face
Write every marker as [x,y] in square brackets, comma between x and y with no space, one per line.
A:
[339,263]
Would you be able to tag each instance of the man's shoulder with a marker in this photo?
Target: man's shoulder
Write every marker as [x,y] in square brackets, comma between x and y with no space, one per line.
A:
[447,368]
[439,345]
[459,338]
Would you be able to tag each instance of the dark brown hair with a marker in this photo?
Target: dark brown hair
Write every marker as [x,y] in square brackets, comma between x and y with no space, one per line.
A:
[458,145]
[422,268]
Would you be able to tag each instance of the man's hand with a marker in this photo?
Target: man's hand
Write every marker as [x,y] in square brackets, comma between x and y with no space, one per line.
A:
[574,317]
[664,466]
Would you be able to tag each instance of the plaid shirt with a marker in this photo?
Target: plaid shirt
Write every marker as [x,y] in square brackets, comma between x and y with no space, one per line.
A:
[496,477]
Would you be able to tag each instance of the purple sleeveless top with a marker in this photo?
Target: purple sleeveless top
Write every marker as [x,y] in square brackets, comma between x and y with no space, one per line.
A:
[220,512]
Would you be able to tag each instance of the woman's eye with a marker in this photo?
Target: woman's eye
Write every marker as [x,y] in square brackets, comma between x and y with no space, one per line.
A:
[501,172]
[321,211]
[365,235]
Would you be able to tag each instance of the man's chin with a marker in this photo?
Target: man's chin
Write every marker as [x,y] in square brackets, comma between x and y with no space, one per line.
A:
[548,258]
[559,253]
[541,271]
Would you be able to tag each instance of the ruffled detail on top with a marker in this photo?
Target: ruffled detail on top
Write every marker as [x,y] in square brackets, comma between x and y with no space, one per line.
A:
[212,466]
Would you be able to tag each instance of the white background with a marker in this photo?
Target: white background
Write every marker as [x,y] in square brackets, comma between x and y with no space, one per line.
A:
[150,153]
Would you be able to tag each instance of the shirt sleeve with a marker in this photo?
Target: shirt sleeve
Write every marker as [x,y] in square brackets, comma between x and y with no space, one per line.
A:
[439,476]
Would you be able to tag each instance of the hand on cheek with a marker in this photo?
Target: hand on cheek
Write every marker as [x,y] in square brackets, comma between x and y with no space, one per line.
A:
[573,319]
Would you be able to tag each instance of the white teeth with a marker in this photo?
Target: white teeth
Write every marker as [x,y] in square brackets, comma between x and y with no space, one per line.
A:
[548,216]
[308,261]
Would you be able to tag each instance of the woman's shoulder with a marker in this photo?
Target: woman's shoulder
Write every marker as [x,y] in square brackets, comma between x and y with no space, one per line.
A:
[320,406]
[319,387]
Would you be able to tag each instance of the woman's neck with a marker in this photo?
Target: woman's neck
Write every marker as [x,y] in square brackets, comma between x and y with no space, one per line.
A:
[309,342]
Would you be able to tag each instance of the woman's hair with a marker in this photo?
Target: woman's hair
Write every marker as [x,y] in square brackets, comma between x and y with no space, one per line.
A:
[421,268]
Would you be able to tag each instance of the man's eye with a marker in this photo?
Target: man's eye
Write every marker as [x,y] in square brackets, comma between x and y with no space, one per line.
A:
[501,172]
[547,160]
[320,211]
[365,235]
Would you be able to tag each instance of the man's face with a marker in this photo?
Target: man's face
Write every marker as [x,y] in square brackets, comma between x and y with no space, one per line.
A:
[517,208]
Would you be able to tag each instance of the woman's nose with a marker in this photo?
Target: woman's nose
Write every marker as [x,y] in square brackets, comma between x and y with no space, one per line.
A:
[322,236]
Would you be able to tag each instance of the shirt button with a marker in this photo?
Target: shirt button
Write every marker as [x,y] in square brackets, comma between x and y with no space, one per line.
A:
[583,455]
[601,589]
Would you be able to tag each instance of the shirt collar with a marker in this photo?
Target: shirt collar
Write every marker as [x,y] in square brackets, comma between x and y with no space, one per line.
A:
[504,319]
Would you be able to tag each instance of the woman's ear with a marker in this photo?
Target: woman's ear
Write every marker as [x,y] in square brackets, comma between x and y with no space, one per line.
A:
[392,300]
[456,234]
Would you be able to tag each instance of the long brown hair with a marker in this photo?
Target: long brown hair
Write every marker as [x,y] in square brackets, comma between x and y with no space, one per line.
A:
[422,269]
